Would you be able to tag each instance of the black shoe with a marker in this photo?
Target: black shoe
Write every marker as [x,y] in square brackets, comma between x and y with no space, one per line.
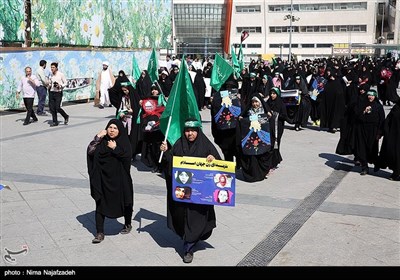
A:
[394,177]
[357,163]
[101,107]
[54,124]
[364,172]
[126,229]
[66,120]
[35,120]
[110,105]
[99,237]
[25,123]
[188,257]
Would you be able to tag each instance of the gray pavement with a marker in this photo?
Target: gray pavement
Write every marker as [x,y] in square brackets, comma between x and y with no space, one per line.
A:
[315,210]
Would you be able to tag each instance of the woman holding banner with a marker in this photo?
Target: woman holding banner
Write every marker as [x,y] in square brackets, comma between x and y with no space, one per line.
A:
[192,222]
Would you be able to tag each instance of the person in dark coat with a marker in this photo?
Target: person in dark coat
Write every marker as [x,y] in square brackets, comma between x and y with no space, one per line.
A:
[277,125]
[225,138]
[389,156]
[300,113]
[165,83]
[143,85]
[368,130]
[332,103]
[255,156]
[249,87]
[199,88]
[346,142]
[152,108]
[192,222]
[393,83]
[265,86]
[131,99]
[115,93]
[109,163]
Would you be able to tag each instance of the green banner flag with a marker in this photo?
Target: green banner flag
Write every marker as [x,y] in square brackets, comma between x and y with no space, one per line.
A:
[240,58]
[135,71]
[221,71]
[235,63]
[181,105]
[152,67]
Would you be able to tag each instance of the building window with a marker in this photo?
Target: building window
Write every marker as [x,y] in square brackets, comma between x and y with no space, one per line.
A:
[248,9]
[254,46]
[324,45]
[309,29]
[253,29]
[307,45]
[282,8]
[275,45]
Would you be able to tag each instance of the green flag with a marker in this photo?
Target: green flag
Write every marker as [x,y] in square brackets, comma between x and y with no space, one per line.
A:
[221,71]
[240,58]
[235,63]
[181,105]
[152,67]
[135,71]
[274,62]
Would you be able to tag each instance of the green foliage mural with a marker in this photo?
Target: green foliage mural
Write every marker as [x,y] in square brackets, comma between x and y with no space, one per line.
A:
[104,23]
[12,26]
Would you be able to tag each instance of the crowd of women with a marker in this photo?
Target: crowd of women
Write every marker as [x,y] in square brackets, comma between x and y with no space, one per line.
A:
[248,120]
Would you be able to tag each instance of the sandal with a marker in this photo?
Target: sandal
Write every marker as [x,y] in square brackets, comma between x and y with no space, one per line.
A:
[99,237]
[126,229]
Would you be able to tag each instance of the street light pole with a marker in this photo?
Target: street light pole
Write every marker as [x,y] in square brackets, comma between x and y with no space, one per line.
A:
[290,31]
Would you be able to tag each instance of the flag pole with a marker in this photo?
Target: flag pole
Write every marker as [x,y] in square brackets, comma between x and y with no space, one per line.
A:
[166,135]
[170,117]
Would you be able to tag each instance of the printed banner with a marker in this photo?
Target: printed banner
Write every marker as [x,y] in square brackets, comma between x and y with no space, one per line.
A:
[291,97]
[227,108]
[197,181]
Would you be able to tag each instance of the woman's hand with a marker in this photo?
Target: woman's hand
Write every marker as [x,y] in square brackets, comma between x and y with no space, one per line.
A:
[164,146]
[111,144]
[102,133]
[210,158]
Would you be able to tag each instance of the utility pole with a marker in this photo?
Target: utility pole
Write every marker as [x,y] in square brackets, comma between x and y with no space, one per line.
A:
[290,31]
[291,18]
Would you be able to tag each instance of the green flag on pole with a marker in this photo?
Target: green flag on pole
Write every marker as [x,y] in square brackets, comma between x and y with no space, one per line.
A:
[221,71]
[135,71]
[152,67]
[181,105]
[240,58]
[235,63]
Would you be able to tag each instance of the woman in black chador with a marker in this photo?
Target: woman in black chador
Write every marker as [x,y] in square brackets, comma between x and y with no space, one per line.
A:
[389,155]
[109,167]
[368,129]
[256,153]
[192,222]
[277,124]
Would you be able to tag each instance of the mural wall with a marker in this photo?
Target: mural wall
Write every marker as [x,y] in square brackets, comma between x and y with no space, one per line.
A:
[105,23]
[108,23]
[81,69]
[12,26]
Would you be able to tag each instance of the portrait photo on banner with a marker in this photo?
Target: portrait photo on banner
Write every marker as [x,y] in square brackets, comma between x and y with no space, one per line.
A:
[200,182]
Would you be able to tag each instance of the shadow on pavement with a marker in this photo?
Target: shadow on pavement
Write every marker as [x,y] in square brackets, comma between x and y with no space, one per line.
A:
[111,226]
[160,233]
[338,162]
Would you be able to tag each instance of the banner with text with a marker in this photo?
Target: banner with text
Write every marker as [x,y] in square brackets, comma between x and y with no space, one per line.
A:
[197,181]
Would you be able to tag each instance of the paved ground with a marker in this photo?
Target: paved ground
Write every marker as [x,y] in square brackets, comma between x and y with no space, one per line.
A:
[315,210]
